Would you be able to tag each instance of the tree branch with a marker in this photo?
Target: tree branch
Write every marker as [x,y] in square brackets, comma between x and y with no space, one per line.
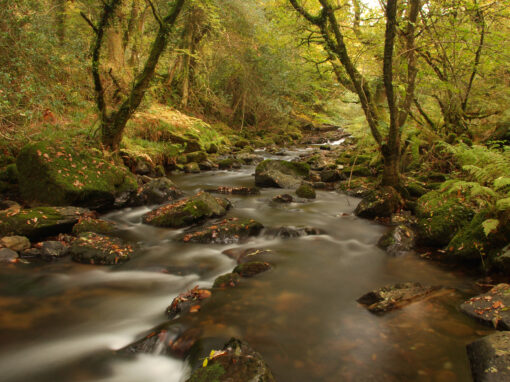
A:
[155,13]
[94,28]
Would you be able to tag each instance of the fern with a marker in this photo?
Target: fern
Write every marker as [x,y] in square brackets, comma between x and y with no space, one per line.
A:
[473,192]
[502,184]
[490,225]
[503,204]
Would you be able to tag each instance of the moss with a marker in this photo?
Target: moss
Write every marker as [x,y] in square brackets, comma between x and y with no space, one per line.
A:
[300,168]
[229,163]
[415,189]
[10,174]
[57,174]
[192,168]
[306,191]
[227,280]
[93,225]
[210,373]
[251,268]
[357,170]
[196,156]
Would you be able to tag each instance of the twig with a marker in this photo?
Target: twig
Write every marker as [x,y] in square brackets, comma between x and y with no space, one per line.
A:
[94,28]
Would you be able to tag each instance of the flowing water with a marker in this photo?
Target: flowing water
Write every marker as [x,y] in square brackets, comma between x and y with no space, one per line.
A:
[59,321]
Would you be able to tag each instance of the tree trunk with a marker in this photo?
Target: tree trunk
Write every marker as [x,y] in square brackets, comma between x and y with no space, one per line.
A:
[391,170]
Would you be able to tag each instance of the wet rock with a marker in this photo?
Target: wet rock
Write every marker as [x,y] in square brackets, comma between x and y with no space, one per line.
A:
[490,358]
[227,231]
[227,280]
[491,308]
[243,255]
[395,296]
[229,164]
[169,340]
[252,268]
[16,243]
[280,173]
[235,190]
[283,198]
[379,203]
[249,158]
[189,301]
[187,211]
[53,250]
[306,191]
[92,248]
[39,222]
[330,176]
[51,173]
[207,166]
[31,253]
[286,232]
[8,255]
[93,225]
[157,191]
[236,362]
[398,241]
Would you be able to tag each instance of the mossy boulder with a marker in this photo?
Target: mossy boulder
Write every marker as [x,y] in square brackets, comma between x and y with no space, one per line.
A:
[36,223]
[187,211]
[192,168]
[55,174]
[357,170]
[252,268]
[229,164]
[440,217]
[330,175]
[306,191]
[379,203]
[96,249]
[196,156]
[280,173]
[227,231]
[88,224]
[399,240]
[226,281]
[236,362]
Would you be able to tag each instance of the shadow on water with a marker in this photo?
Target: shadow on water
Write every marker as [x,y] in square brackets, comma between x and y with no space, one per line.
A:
[59,320]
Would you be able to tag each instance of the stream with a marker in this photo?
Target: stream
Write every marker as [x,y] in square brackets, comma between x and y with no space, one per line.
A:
[59,321]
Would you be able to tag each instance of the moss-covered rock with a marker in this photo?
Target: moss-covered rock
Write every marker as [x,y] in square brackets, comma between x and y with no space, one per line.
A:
[379,203]
[92,248]
[36,223]
[280,173]
[187,211]
[10,174]
[236,362]
[440,217]
[157,191]
[88,224]
[228,231]
[55,174]
[330,175]
[227,280]
[415,189]
[399,240]
[229,164]
[357,170]
[192,168]
[306,191]
[212,148]
[196,156]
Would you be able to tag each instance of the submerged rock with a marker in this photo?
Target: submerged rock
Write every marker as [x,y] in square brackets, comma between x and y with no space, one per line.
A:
[490,358]
[491,308]
[227,231]
[53,250]
[227,280]
[156,191]
[379,203]
[187,211]
[189,301]
[8,255]
[286,232]
[92,248]
[252,268]
[39,222]
[398,240]
[236,362]
[395,296]
[283,198]
[243,255]
[235,190]
[55,174]
[280,173]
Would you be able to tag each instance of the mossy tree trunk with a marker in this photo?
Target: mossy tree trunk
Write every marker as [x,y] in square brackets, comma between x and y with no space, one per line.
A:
[113,122]
[333,41]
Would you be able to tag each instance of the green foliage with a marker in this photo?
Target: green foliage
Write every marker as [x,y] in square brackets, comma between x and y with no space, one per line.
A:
[489,226]
[474,193]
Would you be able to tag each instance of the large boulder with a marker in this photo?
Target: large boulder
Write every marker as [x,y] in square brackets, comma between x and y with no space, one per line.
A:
[490,358]
[92,248]
[39,222]
[440,217]
[491,308]
[395,296]
[280,173]
[227,231]
[187,211]
[236,362]
[55,174]
[306,191]
[379,203]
